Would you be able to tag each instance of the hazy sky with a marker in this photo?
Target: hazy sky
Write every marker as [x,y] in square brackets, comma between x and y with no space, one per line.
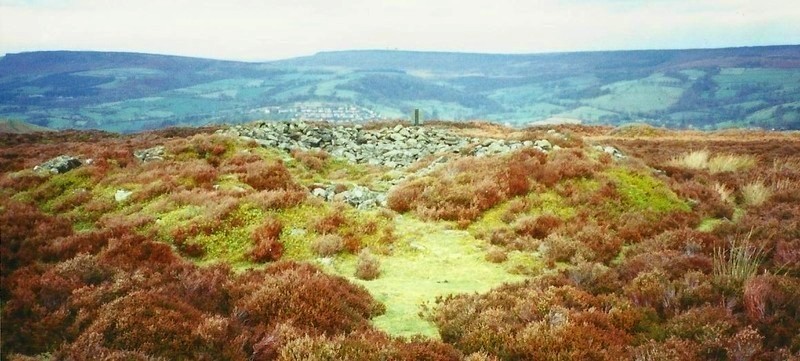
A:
[269,29]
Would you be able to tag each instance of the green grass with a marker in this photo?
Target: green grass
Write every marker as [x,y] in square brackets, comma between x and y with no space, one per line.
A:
[643,192]
[230,245]
[428,261]
[585,113]
[708,224]
[61,186]
[637,96]
[337,170]
[734,77]
[548,202]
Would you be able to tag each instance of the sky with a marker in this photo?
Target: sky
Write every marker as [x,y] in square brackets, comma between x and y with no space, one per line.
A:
[254,30]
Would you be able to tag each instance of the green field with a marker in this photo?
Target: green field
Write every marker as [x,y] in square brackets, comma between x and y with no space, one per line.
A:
[131,92]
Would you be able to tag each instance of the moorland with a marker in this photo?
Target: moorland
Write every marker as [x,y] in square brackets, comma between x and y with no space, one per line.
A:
[449,241]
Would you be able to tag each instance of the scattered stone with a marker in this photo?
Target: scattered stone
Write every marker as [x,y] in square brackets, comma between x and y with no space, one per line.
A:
[150,154]
[359,197]
[544,144]
[320,192]
[122,195]
[613,151]
[60,164]
[616,153]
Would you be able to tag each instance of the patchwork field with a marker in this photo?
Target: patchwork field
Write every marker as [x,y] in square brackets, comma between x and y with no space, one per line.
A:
[125,92]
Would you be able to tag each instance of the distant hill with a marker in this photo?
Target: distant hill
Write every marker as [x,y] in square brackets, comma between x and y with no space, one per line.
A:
[20,127]
[705,88]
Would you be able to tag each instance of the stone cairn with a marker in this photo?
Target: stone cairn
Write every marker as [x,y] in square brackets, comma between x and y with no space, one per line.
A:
[391,147]
[395,147]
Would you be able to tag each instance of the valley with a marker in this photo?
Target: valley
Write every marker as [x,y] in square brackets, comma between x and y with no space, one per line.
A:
[129,92]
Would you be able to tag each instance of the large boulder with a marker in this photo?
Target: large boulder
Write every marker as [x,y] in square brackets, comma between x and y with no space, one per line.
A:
[60,164]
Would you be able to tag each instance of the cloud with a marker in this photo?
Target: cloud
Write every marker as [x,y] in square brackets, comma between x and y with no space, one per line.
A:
[250,29]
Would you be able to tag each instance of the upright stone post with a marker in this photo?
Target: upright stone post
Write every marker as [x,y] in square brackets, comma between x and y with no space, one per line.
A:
[416,117]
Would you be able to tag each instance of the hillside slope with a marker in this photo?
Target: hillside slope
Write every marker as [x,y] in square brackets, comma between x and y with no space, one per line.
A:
[705,88]
[18,127]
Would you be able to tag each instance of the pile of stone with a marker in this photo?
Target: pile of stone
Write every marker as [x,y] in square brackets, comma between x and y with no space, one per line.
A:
[358,196]
[394,147]
[60,164]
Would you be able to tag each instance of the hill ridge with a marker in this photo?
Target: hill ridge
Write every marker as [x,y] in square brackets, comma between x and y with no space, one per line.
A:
[124,92]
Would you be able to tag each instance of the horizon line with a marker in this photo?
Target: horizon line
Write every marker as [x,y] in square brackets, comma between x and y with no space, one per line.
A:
[397,51]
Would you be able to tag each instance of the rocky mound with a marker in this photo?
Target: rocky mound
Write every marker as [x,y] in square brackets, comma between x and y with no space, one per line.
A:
[395,147]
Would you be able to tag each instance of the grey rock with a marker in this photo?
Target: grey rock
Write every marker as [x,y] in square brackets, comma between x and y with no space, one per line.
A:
[319,192]
[312,141]
[544,144]
[122,195]
[60,164]
[616,153]
[150,154]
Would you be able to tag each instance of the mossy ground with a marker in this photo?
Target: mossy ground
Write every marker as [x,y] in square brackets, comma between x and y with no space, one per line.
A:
[645,193]
[548,202]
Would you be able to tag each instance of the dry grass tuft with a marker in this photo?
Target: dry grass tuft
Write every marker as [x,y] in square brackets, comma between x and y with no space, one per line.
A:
[694,160]
[730,163]
[755,194]
[739,263]
[724,192]
[702,159]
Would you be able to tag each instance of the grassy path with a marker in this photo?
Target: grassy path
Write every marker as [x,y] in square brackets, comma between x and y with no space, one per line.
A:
[428,261]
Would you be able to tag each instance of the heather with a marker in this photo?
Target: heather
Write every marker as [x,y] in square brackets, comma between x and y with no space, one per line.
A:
[678,245]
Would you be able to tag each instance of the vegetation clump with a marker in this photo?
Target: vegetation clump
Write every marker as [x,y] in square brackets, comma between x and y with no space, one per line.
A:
[266,241]
[327,245]
[702,159]
[496,255]
[755,194]
[367,266]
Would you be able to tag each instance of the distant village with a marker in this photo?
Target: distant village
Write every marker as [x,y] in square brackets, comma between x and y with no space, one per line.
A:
[327,112]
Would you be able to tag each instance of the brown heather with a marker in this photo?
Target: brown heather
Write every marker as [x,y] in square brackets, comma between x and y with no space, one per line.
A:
[623,283]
